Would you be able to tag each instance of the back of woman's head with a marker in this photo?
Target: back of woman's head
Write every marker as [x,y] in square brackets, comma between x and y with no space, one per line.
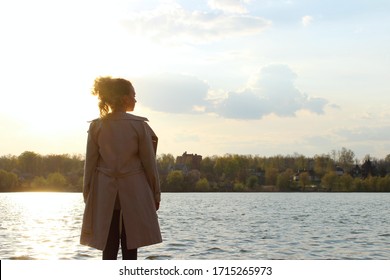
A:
[110,92]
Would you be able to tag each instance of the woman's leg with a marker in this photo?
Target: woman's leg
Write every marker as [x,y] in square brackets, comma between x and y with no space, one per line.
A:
[127,254]
[112,247]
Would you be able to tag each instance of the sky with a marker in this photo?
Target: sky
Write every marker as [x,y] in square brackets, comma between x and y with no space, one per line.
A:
[214,77]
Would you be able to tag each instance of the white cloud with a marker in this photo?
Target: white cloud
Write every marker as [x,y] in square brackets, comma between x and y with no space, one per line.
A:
[272,90]
[177,25]
[242,105]
[229,6]
[307,20]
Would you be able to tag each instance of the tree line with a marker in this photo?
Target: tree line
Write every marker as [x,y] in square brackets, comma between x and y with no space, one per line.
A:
[337,171]
[31,171]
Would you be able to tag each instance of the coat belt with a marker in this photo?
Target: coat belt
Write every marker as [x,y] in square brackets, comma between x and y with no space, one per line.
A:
[117,174]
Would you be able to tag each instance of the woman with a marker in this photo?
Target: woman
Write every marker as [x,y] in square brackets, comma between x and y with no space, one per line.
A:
[121,185]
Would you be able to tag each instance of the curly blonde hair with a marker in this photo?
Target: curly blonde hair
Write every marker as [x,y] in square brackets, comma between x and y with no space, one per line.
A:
[110,92]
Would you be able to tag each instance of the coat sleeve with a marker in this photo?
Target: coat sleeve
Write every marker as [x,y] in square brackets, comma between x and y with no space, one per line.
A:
[91,159]
[147,150]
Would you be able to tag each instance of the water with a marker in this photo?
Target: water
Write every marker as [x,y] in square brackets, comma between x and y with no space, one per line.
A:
[212,226]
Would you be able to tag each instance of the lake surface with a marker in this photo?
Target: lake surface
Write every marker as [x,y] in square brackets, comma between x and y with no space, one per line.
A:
[233,226]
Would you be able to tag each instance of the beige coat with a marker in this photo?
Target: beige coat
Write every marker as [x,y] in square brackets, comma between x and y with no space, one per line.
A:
[120,161]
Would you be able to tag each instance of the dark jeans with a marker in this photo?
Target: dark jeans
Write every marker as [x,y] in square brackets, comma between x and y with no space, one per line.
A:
[112,247]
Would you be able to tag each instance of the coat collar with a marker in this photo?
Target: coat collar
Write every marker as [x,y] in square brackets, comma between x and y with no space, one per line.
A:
[125,116]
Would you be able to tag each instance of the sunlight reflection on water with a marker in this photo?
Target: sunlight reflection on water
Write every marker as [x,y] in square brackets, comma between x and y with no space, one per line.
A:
[40,225]
[211,226]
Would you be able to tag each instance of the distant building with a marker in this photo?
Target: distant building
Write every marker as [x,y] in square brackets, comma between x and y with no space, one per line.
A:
[188,162]
[312,175]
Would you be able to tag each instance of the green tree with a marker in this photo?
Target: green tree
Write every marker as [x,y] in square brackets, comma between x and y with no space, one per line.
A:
[219,166]
[8,163]
[239,187]
[56,180]
[165,162]
[202,185]
[330,180]
[284,180]
[39,183]
[30,163]
[373,183]
[175,180]
[346,159]
[207,168]
[322,165]
[271,175]
[8,181]
[301,162]
[227,167]
[57,163]
[346,183]
[384,184]
[252,182]
[361,185]
[304,179]
[190,180]
[231,167]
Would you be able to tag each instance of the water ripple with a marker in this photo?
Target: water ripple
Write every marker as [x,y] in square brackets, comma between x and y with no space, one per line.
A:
[212,226]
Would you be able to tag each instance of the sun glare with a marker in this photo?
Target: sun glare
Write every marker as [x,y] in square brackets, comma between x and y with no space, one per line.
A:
[39,214]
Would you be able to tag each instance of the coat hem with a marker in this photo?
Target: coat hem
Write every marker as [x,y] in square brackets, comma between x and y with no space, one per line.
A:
[101,248]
